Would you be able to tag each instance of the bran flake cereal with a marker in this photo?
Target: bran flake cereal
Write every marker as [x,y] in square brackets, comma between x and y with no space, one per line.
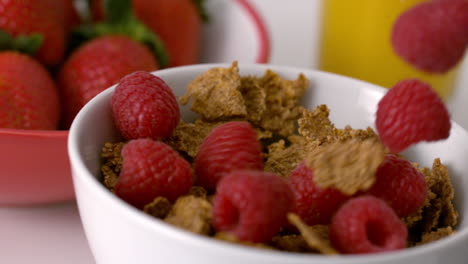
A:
[254,98]
[281,101]
[348,166]
[159,207]
[315,236]
[291,243]
[110,169]
[215,94]
[342,158]
[228,237]
[191,213]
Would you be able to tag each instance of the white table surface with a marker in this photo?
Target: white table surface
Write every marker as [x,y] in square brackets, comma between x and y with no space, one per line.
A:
[53,234]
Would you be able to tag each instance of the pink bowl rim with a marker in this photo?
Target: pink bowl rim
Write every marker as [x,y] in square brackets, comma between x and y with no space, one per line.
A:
[34,133]
[263,56]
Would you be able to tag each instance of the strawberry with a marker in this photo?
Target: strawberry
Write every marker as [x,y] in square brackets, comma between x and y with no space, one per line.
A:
[97,65]
[66,11]
[27,17]
[28,96]
[176,22]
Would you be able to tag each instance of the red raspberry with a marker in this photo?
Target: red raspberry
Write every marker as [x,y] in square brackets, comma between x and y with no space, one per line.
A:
[252,205]
[366,224]
[230,146]
[411,112]
[150,169]
[433,35]
[313,204]
[400,184]
[144,106]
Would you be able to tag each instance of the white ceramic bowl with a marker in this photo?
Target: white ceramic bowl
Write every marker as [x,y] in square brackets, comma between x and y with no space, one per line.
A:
[118,233]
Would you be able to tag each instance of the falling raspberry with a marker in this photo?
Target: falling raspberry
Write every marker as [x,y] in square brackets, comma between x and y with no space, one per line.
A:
[230,146]
[367,224]
[252,205]
[151,169]
[401,185]
[313,204]
[433,35]
[144,106]
[409,113]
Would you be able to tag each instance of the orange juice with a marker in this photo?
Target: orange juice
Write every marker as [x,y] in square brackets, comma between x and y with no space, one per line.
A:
[355,42]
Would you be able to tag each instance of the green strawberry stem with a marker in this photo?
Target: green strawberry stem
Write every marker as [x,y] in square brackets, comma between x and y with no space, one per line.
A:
[28,44]
[118,11]
[200,4]
[120,20]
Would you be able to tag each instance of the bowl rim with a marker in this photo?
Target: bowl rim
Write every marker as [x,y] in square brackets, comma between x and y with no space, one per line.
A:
[182,236]
[263,56]
[34,133]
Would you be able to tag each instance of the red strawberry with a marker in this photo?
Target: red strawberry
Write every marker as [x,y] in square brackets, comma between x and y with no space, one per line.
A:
[66,11]
[28,17]
[97,65]
[176,22]
[28,96]
[73,19]
[433,35]
[411,112]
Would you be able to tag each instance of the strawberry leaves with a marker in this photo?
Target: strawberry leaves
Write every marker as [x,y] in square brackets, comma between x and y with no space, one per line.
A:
[120,20]
[28,44]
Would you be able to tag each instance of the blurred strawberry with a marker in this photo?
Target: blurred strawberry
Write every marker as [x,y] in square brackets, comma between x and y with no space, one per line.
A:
[28,95]
[176,22]
[97,65]
[39,18]
[72,19]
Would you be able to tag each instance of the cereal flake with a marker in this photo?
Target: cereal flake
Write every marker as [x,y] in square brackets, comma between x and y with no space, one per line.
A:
[159,207]
[316,125]
[112,163]
[254,97]
[191,213]
[347,166]
[281,101]
[282,159]
[315,236]
[215,94]
[436,235]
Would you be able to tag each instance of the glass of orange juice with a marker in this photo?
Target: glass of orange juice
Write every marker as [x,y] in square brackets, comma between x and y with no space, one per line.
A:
[356,41]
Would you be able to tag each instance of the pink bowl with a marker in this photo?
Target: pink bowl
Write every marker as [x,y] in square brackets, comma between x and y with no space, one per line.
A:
[34,165]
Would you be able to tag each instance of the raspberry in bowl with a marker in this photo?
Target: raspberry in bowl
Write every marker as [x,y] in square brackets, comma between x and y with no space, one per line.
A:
[254,209]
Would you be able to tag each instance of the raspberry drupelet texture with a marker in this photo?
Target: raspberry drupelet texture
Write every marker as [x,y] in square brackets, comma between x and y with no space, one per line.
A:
[144,106]
[400,184]
[366,224]
[252,205]
[433,35]
[313,204]
[409,113]
[151,169]
[230,146]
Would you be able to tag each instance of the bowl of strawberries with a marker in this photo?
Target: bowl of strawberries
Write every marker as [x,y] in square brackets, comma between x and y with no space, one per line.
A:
[63,53]
[249,163]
